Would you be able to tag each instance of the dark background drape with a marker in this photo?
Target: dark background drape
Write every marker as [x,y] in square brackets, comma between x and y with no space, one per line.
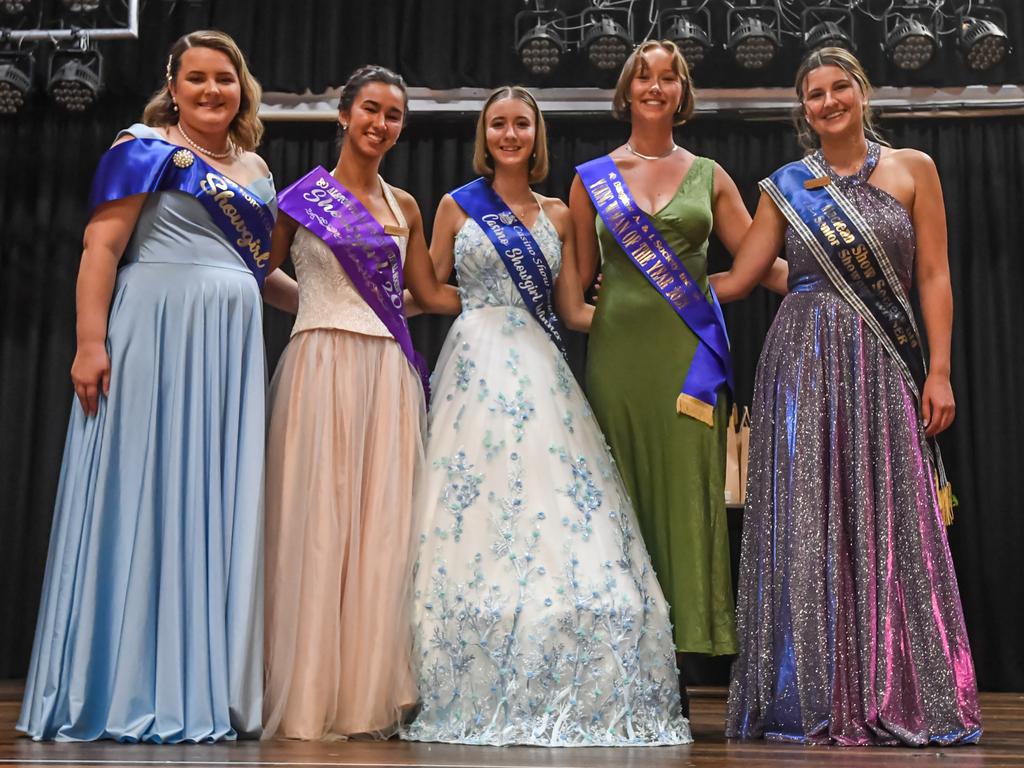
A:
[47,159]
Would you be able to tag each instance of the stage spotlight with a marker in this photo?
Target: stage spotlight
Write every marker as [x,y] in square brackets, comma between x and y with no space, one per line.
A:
[14,7]
[983,42]
[606,42]
[15,80]
[692,38]
[755,36]
[540,50]
[75,78]
[909,42]
[82,6]
[541,45]
[827,27]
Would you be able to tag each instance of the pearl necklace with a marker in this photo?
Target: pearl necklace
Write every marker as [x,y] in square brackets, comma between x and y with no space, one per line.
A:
[652,157]
[217,155]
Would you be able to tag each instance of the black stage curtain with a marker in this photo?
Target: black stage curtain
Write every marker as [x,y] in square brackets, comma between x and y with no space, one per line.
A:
[46,162]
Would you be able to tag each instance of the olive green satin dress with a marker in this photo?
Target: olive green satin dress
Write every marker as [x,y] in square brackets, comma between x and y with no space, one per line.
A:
[673,465]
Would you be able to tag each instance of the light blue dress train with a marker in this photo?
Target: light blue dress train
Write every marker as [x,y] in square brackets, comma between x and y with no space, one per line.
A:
[150,625]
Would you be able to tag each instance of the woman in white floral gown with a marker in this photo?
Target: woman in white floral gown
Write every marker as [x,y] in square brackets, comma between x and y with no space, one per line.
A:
[538,617]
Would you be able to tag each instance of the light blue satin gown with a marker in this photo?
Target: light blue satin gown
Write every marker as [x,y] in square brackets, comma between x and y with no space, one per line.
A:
[150,625]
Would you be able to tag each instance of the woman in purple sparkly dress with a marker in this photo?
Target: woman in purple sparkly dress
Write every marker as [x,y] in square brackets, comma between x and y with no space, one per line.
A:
[849,618]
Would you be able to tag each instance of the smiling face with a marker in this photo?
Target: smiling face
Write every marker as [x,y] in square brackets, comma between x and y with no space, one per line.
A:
[511,132]
[833,101]
[373,123]
[206,90]
[656,89]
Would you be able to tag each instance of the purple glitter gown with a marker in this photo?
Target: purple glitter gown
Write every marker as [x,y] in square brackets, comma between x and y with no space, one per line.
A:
[849,618]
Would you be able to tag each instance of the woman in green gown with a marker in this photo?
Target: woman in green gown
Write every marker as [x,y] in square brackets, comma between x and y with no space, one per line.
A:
[640,350]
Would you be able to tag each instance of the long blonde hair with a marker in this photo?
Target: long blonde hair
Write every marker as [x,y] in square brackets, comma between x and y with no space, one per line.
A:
[846,61]
[483,163]
[246,128]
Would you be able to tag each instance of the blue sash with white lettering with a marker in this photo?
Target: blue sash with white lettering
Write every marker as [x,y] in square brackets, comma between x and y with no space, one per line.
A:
[650,253]
[152,165]
[518,250]
[855,262]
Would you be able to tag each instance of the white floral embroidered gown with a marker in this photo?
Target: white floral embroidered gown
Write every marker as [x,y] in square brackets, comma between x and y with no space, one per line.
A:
[538,617]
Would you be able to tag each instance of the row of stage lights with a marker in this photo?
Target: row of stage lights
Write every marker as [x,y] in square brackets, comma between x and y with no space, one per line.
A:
[604,31]
[74,75]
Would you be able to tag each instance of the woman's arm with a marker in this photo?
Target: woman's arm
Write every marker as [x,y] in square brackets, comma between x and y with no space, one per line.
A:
[574,311]
[732,225]
[934,289]
[581,209]
[279,289]
[447,219]
[106,237]
[429,293]
[757,252]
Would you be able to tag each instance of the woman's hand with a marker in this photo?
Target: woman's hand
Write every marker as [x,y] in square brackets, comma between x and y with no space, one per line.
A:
[937,405]
[90,373]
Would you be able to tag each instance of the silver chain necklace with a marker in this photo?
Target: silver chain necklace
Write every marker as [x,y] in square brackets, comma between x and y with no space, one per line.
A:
[652,157]
[217,155]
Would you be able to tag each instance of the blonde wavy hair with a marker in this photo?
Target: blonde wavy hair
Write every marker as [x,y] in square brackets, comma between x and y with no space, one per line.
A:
[636,63]
[246,128]
[483,163]
[846,61]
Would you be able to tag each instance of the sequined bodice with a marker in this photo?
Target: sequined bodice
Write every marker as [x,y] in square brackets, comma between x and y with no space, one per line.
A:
[327,298]
[889,219]
[483,279]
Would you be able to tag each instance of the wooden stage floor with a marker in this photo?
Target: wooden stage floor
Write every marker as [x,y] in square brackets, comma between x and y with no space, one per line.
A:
[1002,745]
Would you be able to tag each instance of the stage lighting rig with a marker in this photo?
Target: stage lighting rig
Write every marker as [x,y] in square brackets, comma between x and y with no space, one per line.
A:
[14,7]
[16,68]
[689,29]
[983,39]
[76,76]
[607,36]
[827,26]
[754,34]
[542,45]
[911,33]
[81,6]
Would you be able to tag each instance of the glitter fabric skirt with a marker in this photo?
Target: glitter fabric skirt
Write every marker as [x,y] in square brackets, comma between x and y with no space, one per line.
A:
[849,618]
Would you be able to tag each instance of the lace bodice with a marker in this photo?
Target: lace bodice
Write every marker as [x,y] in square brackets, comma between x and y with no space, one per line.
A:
[483,279]
[327,298]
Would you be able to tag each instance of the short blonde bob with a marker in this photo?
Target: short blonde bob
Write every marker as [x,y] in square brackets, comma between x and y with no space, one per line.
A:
[637,63]
[246,128]
[483,163]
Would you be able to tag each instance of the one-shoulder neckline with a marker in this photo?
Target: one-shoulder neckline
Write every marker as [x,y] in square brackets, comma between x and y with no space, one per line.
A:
[675,194]
[155,136]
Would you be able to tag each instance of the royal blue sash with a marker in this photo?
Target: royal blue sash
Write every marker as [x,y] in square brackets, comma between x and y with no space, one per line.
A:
[855,262]
[518,250]
[152,165]
[650,253]
[367,253]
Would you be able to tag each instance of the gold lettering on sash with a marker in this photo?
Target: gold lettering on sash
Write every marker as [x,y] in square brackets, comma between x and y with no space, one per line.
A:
[216,186]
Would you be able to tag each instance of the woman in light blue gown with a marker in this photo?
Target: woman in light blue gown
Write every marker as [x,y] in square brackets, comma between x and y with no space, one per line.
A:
[538,618]
[151,616]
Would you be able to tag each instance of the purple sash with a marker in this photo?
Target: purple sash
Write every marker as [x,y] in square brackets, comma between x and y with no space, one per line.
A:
[369,256]
[650,253]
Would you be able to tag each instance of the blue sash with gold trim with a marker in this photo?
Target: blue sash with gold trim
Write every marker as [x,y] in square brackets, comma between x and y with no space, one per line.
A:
[855,262]
[650,253]
[517,249]
[152,165]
